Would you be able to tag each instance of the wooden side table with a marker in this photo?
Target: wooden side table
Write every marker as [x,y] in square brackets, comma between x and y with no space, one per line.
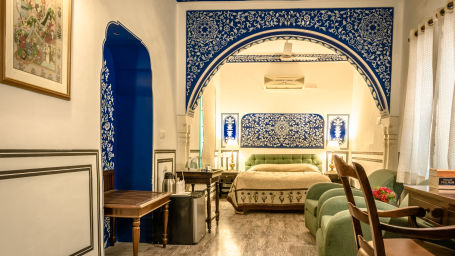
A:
[134,205]
[439,205]
[226,179]
[207,178]
[333,176]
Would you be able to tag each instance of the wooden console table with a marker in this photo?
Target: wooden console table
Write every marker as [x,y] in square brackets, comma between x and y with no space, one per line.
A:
[440,206]
[134,205]
[207,178]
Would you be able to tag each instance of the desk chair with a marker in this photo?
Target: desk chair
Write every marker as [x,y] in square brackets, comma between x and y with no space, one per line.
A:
[394,246]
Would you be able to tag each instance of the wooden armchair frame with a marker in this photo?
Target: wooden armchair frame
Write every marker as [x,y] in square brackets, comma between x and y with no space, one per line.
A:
[371,216]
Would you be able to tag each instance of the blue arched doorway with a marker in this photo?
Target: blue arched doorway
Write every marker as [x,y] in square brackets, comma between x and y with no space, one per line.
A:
[126,114]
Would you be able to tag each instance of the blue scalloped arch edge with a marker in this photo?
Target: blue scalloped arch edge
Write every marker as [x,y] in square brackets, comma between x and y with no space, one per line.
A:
[383,104]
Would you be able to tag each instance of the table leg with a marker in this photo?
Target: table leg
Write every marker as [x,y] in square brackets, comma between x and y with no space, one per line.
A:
[136,235]
[217,202]
[166,214]
[192,188]
[112,237]
[209,209]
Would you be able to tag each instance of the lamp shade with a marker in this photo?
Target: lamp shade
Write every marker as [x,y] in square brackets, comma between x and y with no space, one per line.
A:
[333,145]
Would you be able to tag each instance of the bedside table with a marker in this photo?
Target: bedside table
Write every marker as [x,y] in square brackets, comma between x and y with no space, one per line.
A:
[333,176]
[226,179]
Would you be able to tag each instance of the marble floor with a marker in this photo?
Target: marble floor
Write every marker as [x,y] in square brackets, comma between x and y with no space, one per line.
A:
[254,233]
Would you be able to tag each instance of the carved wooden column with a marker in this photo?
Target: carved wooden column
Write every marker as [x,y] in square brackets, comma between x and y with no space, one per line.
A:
[183,140]
[390,126]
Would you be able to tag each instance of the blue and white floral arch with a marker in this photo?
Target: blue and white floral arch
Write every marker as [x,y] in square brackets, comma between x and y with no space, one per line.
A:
[363,35]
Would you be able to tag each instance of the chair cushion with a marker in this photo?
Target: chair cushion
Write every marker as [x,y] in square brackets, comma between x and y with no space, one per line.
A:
[311,206]
[403,246]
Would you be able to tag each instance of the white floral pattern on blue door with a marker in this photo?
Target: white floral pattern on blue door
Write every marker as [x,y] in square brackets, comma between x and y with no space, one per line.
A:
[107,121]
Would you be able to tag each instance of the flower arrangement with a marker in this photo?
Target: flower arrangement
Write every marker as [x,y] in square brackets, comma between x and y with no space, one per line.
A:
[384,194]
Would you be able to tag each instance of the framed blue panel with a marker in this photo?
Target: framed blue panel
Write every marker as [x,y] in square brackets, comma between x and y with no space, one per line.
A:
[230,128]
[338,129]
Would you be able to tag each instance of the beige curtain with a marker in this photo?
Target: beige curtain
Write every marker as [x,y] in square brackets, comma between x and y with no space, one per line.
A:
[445,79]
[417,119]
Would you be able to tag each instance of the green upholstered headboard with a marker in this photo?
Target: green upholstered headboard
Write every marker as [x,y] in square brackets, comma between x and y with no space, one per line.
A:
[256,159]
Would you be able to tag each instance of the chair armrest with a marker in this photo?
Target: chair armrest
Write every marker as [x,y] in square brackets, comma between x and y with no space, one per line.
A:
[403,212]
[315,191]
[335,192]
[436,233]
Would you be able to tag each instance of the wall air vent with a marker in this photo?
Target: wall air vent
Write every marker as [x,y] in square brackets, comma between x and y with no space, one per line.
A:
[280,82]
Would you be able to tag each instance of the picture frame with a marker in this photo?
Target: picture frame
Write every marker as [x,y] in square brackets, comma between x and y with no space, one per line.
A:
[164,161]
[35,52]
[343,154]
[229,128]
[338,129]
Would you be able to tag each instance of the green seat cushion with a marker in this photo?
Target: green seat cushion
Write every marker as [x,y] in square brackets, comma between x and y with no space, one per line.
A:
[311,206]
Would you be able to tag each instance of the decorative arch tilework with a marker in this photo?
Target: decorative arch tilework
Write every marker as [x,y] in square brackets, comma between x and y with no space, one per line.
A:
[107,120]
[260,58]
[366,31]
[277,130]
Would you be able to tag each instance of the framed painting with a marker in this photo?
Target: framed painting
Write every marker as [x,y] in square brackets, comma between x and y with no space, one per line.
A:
[36,45]
[164,161]
[338,129]
[229,129]
[328,160]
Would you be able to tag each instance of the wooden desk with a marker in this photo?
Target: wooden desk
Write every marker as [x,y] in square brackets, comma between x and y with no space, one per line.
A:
[207,178]
[135,204]
[440,206]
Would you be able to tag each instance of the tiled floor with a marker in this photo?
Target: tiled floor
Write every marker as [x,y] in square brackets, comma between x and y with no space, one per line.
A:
[254,233]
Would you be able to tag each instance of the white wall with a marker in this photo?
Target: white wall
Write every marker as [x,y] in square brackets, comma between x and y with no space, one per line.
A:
[366,133]
[25,116]
[29,120]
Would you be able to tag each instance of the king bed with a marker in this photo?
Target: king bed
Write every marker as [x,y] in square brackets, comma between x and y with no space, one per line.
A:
[275,182]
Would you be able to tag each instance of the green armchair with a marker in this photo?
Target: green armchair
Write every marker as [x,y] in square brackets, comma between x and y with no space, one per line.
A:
[336,236]
[315,198]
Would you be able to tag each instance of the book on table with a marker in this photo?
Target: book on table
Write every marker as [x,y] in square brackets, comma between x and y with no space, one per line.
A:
[442,179]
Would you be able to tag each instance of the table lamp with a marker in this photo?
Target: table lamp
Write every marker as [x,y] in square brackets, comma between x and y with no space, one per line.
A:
[332,146]
[232,144]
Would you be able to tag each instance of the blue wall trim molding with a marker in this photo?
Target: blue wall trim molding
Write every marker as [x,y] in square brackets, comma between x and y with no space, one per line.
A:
[282,130]
[278,58]
[363,35]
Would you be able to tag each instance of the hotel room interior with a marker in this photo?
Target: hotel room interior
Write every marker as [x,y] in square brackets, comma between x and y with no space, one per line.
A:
[227,127]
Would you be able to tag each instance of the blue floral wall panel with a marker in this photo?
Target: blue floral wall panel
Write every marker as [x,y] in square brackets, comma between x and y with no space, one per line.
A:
[363,35]
[230,127]
[108,145]
[279,130]
[338,129]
